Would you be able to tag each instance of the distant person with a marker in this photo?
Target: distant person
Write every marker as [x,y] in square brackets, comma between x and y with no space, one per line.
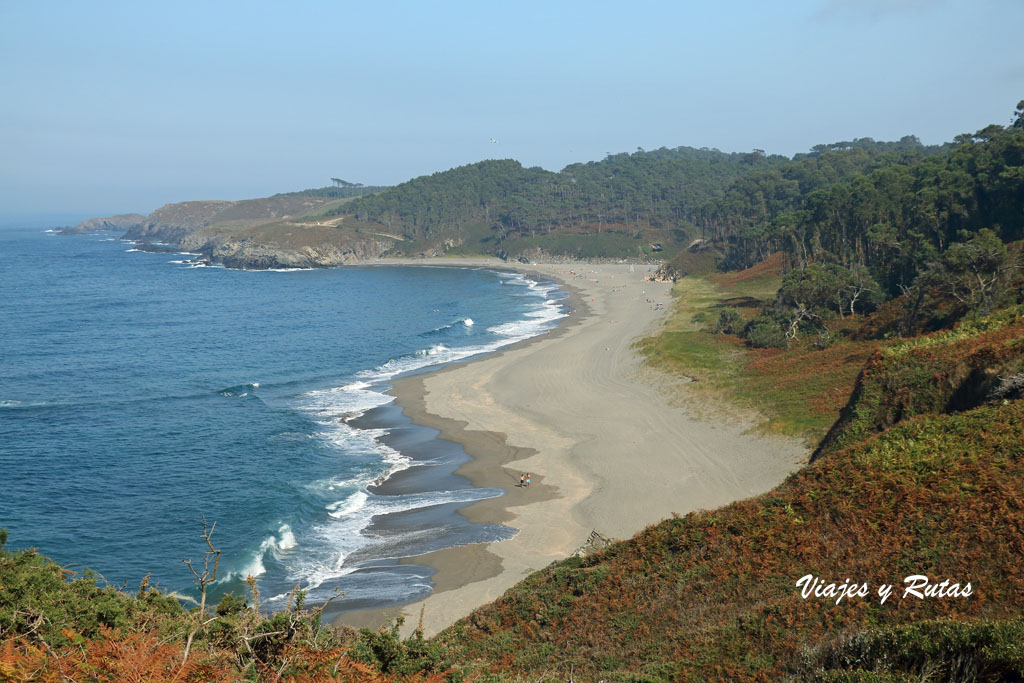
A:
[522,481]
[527,480]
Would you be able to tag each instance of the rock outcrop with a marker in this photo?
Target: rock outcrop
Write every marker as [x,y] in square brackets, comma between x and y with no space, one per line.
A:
[250,255]
[254,234]
[124,221]
[171,223]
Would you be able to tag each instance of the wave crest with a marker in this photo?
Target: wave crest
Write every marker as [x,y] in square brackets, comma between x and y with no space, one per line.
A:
[239,390]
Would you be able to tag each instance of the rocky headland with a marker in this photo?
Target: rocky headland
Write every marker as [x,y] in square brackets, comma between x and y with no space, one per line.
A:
[122,221]
[283,231]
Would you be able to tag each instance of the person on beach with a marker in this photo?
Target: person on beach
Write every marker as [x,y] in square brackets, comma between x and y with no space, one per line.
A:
[527,480]
[522,481]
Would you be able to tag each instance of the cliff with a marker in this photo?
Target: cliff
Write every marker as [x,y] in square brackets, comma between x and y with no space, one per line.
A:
[251,255]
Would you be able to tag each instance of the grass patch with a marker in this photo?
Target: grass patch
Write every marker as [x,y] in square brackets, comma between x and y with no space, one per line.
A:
[799,391]
[607,244]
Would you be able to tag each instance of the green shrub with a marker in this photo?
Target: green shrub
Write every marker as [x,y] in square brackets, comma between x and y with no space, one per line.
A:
[729,322]
[763,332]
[966,651]
[386,651]
[231,604]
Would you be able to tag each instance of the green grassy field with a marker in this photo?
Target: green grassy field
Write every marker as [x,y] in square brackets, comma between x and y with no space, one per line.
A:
[797,391]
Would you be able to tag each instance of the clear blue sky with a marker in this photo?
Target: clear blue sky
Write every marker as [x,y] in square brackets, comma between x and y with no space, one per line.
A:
[109,107]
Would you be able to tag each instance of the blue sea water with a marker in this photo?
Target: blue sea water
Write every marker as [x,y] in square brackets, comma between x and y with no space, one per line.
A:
[139,393]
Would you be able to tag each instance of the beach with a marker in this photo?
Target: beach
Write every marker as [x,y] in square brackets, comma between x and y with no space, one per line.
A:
[607,447]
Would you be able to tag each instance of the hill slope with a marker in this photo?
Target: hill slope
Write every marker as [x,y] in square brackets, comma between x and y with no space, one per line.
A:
[714,594]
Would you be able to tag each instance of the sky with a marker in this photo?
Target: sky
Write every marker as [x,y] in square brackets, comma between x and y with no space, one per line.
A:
[111,107]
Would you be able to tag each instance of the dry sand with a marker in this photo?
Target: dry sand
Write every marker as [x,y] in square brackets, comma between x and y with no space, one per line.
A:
[606,449]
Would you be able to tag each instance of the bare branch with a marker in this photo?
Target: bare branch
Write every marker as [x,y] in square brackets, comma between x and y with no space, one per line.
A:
[202,580]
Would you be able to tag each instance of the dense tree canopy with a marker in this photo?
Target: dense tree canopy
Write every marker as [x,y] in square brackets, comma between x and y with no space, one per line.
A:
[754,212]
[897,220]
[662,188]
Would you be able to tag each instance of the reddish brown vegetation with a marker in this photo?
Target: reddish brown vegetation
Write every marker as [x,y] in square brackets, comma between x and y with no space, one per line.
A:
[943,372]
[818,379]
[117,657]
[769,268]
[713,594]
[112,656]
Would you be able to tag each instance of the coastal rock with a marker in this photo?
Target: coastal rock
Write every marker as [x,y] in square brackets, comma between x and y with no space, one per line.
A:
[664,274]
[162,233]
[250,255]
[123,221]
[270,238]
[171,223]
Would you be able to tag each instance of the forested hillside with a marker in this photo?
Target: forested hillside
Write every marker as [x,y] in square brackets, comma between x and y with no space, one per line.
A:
[754,209]
[500,207]
[666,197]
[928,238]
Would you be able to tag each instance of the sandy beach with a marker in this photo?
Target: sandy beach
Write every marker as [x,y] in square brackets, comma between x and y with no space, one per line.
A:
[606,448]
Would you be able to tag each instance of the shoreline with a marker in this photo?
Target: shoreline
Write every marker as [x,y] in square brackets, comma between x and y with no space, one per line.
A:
[463,564]
[576,408]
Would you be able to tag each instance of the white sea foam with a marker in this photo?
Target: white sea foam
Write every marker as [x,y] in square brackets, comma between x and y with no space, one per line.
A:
[327,546]
[240,390]
[333,542]
[333,409]
[128,251]
[344,508]
[365,442]
[254,567]
[11,403]
[433,350]
[465,322]
[537,319]
[287,539]
[277,545]
[347,401]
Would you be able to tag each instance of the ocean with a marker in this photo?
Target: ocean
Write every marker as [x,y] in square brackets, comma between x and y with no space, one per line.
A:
[140,394]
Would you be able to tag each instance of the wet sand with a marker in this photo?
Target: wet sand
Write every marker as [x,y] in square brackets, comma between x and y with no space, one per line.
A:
[605,446]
